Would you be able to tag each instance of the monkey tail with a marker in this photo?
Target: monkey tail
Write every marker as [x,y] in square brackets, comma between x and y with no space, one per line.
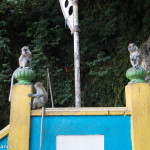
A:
[43,111]
[12,82]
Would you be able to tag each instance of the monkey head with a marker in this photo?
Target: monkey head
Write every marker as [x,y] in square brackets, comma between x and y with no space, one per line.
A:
[132,48]
[25,50]
[38,84]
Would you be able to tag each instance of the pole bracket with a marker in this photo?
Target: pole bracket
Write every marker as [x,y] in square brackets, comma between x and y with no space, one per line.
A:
[75,2]
[76,28]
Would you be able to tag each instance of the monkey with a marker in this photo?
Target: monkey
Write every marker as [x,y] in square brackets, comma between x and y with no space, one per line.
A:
[25,58]
[145,53]
[135,57]
[24,62]
[41,96]
[40,99]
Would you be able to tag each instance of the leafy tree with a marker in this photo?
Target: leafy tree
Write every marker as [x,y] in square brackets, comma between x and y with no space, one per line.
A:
[107,27]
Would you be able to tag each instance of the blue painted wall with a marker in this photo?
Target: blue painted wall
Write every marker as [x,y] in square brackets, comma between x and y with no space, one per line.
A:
[3,143]
[116,130]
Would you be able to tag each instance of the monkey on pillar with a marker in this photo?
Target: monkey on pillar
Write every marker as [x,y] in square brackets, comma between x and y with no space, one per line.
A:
[25,58]
[24,62]
[136,58]
[40,99]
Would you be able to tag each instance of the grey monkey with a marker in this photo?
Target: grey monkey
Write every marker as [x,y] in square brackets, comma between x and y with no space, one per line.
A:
[40,99]
[25,58]
[41,96]
[135,57]
[24,62]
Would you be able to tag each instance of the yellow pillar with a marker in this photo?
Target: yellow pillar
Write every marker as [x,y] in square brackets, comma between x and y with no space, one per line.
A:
[138,99]
[20,113]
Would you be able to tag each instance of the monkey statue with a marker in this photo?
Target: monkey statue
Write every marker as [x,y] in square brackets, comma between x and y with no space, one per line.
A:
[25,58]
[40,99]
[24,62]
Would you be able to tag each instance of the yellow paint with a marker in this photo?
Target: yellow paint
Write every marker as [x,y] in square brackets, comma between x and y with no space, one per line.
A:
[20,113]
[138,98]
[128,96]
[82,111]
[4,132]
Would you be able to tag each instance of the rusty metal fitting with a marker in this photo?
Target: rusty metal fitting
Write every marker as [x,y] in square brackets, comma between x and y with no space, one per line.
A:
[75,2]
[76,28]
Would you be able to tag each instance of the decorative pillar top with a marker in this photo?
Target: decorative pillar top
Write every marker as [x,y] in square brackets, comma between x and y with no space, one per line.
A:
[24,76]
[136,75]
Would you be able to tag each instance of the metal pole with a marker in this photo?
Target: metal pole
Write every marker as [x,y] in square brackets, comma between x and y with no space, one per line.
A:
[76,54]
[50,87]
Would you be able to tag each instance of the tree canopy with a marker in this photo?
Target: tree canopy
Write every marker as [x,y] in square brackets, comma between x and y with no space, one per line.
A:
[107,27]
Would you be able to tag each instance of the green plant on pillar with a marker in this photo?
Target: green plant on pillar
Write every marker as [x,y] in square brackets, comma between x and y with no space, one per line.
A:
[136,75]
[24,76]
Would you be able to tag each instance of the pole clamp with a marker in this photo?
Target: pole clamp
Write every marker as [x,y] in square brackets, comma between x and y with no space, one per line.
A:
[75,2]
[76,28]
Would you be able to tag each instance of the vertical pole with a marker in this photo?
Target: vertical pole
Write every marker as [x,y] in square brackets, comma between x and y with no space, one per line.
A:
[76,54]
[50,87]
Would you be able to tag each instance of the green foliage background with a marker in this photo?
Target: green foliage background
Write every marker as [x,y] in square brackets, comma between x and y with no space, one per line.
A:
[107,27]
